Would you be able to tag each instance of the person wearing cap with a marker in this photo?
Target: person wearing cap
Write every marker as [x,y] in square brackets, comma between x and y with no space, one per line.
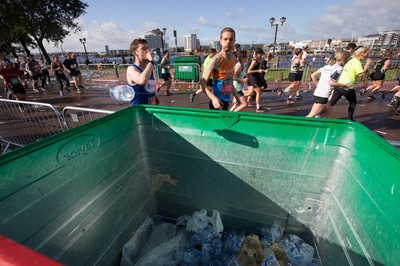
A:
[222,67]
[256,76]
[331,71]
[12,78]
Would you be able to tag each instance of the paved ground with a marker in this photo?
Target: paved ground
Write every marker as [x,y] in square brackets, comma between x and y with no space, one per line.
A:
[373,114]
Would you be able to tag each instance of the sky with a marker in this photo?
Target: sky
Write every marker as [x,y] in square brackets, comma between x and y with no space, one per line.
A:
[116,23]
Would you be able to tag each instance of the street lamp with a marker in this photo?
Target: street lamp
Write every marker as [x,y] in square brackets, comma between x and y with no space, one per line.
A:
[83,42]
[272,20]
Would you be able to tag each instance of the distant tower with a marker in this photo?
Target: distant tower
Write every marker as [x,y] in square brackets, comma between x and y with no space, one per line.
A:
[107,50]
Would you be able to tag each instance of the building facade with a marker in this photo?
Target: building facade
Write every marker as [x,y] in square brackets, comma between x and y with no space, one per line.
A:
[190,43]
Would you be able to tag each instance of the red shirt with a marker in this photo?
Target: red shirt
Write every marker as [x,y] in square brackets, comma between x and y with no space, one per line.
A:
[10,75]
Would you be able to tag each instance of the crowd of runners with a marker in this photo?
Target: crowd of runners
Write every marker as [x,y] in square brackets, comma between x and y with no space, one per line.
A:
[21,75]
[343,69]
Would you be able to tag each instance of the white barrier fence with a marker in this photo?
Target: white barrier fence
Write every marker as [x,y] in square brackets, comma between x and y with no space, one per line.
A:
[24,122]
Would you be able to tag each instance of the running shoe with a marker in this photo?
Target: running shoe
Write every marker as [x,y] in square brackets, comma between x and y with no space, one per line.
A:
[42,88]
[383,95]
[35,90]
[298,96]
[61,93]
[362,92]
[280,93]
[79,91]
[371,97]
[167,93]
[192,95]
[290,101]
[260,110]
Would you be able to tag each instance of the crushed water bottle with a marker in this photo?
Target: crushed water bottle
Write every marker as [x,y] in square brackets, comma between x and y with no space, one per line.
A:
[122,93]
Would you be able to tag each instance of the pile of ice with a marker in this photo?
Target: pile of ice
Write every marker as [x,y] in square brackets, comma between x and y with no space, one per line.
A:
[201,240]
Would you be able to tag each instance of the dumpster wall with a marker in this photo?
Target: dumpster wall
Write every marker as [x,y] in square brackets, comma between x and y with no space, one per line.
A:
[79,196]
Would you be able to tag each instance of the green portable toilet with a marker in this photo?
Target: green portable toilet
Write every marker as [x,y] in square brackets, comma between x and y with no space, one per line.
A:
[187,68]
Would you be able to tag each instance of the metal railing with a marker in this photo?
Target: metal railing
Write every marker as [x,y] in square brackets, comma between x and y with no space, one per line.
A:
[76,116]
[24,122]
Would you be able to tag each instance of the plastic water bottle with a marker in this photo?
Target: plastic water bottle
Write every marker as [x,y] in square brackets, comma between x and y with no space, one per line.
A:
[122,93]
[269,259]
[191,256]
[306,252]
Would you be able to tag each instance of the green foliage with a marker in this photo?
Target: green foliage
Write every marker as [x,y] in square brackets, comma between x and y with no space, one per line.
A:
[28,23]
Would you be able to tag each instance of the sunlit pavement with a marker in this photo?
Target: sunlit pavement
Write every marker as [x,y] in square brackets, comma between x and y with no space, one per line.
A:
[375,114]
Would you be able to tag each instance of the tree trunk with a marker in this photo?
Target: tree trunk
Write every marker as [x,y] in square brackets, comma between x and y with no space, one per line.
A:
[43,50]
[27,51]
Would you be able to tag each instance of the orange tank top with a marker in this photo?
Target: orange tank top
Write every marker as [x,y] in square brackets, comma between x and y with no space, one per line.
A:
[226,68]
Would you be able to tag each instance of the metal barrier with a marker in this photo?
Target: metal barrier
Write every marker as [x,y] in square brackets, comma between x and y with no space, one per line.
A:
[23,122]
[76,116]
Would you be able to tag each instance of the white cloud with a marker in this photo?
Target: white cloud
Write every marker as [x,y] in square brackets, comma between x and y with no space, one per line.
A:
[203,20]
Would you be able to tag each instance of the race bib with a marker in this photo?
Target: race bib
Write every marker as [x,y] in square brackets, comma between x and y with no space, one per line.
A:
[151,86]
[227,86]
[14,81]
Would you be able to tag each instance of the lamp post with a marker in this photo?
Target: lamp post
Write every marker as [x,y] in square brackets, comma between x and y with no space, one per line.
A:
[83,42]
[272,20]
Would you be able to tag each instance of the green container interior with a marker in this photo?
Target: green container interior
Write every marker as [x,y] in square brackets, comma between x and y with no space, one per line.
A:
[78,196]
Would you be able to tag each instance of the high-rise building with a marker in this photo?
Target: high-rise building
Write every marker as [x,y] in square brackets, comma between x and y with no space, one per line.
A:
[216,45]
[107,50]
[191,43]
[156,41]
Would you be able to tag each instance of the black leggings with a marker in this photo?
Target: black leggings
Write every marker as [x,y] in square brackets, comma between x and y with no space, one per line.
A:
[60,78]
[350,96]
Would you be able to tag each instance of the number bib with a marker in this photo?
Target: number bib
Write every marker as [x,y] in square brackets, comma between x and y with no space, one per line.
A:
[14,81]
[151,86]
[227,86]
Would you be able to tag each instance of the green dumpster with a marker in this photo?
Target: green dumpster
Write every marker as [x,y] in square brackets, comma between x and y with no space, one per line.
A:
[187,68]
[77,197]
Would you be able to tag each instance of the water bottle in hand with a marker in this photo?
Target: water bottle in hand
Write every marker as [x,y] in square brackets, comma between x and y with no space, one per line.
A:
[122,93]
